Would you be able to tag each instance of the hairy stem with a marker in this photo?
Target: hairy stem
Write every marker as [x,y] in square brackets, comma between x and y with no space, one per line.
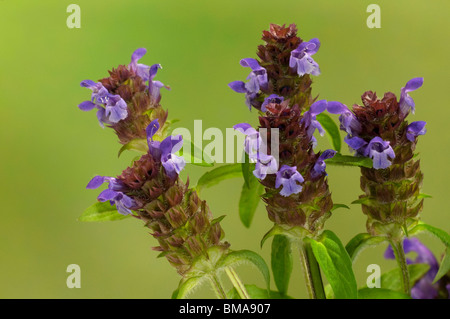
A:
[311,270]
[237,283]
[397,247]
[217,287]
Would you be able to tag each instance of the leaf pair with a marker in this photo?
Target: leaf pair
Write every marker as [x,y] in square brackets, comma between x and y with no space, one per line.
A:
[251,188]
[362,241]
[233,258]
[329,253]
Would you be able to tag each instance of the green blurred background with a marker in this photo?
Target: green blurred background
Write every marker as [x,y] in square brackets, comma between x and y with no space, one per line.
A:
[50,149]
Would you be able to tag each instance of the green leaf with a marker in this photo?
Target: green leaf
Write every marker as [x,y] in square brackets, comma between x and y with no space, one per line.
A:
[336,264]
[194,158]
[218,219]
[250,198]
[332,130]
[186,286]
[439,233]
[101,211]
[336,206]
[422,195]
[281,260]
[346,160]
[381,293]
[139,144]
[257,293]
[392,279]
[362,200]
[246,256]
[247,169]
[216,175]
[444,268]
[361,242]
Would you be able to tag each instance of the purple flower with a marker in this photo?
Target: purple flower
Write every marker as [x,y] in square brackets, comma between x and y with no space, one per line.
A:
[415,129]
[406,102]
[113,193]
[154,87]
[164,151]
[290,179]
[320,166]
[377,149]
[141,70]
[266,164]
[110,108]
[348,120]
[172,163]
[115,109]
[356,143]
[424,287]
[253,139]
[273,98]
[301,59]
[147,73]
[257,80]
[309,118]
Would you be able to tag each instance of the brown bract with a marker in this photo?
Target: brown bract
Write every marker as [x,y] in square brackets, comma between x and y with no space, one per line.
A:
[180,221]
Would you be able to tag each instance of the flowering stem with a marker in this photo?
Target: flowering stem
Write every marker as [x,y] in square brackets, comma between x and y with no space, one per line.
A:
[237,283]
[311,269]
[217,287]
[401,260]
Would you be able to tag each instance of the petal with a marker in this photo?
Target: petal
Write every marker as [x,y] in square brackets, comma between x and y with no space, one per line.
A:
[238,86]
[416,128]
[307,65]
[292,61]
[153,70]
[86,106]
[355,142]
[151,129]
[117,114]
[335,107]
[96,182]
[154,149]
[318,107]
[327,154]
[380,160]
[413,84]
[88,84]
[424,255]
[171,145]
[251,63]
[245,128]
[313,46]
[389,253]
[127,201]
[123,210]
[101,116]
[143,71]
[173,165]
[106,195]
[137,55]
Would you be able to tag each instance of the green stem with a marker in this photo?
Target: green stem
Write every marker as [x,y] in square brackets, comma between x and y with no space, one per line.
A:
[397,247]
[237,283]
[311,269]
[217,287]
